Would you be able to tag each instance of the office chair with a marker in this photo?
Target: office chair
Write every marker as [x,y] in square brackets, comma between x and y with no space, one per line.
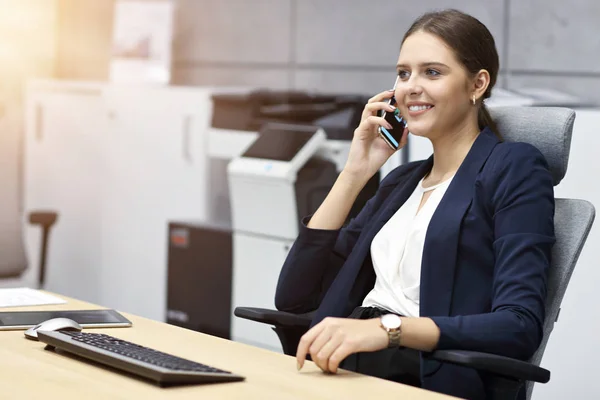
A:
[13,261]
[550,130]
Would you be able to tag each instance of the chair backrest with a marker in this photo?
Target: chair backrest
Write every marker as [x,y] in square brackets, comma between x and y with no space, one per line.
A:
[12,252]
[550,130]
[572,223]
[547,128]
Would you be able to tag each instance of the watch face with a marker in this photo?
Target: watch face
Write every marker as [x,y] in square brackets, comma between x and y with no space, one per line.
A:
[391,321]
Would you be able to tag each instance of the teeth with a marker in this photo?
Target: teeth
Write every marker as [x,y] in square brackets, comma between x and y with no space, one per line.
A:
[419,108]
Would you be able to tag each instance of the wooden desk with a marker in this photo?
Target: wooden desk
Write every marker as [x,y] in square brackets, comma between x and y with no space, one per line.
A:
[27,371]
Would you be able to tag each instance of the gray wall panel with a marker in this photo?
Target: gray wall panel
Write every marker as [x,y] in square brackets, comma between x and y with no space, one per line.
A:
[369,32]
[554,35]
[233,30]
[342,81]
[231,76]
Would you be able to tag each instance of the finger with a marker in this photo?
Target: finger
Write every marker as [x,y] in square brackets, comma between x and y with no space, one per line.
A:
[327,350]
[387,94]
[380,105]
[305,342]
[317,345]
[339,355]
[376,121]
[372,107]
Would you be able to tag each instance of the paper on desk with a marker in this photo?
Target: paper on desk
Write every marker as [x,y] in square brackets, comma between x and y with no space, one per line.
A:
[17,297]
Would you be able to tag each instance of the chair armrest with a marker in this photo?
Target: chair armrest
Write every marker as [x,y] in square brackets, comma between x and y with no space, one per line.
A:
[44,218]
[273,317]
[492,363]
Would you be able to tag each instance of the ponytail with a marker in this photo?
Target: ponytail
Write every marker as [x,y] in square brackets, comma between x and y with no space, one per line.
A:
[485,119]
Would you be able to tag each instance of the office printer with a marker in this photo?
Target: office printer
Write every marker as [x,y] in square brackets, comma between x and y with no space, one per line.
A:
[272,158]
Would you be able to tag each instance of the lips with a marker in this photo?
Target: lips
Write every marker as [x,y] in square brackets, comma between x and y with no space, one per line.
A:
[418,105]
[415,109]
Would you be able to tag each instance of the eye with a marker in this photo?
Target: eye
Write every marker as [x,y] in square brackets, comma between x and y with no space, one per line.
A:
[432,72]
[403,74]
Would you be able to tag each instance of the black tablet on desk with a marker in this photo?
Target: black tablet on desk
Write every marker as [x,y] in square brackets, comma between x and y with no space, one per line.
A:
[13,320]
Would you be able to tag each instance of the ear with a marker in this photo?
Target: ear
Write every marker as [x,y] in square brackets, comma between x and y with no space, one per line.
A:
[481,81]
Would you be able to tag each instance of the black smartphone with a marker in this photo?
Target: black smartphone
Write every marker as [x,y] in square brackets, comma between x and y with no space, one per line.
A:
[392,136]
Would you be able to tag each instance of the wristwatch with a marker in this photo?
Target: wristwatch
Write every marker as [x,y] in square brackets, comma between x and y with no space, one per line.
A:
[392,323]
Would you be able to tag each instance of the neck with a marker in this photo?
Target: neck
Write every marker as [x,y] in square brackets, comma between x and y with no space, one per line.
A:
[450,149]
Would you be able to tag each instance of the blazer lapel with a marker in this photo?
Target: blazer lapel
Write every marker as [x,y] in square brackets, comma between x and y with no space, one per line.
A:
[441,242]
[443,234]
[397,198]
[336,301]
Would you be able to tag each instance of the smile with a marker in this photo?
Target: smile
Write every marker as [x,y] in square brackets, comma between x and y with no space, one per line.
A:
[419,108]
[415,110]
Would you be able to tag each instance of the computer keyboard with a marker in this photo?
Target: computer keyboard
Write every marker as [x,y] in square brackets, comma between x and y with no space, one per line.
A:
[148,363]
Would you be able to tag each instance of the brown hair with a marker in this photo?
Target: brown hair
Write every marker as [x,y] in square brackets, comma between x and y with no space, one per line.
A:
[473,45]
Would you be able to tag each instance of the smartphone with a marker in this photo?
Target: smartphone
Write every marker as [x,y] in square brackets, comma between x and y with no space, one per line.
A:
[393,136]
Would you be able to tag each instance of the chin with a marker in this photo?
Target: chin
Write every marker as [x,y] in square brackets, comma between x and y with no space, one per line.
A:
[419,130]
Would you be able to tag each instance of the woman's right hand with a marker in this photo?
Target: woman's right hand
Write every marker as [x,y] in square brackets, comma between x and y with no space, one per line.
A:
[368,152]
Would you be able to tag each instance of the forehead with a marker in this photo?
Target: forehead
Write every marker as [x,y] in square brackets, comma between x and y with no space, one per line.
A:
[422,47]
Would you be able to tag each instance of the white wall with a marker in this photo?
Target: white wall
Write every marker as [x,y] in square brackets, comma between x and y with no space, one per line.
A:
[574,347]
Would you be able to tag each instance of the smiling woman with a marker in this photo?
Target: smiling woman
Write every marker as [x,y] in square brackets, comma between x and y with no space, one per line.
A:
[452,63]
[402,277]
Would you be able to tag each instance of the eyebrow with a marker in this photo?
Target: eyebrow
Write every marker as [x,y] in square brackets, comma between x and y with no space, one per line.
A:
[423,65]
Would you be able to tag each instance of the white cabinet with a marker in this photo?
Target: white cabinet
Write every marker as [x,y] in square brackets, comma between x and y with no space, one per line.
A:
[257,261]
[117,163]
[157,171]
[63,159]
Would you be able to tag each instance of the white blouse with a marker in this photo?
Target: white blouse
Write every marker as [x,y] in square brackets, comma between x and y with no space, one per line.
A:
[397,250]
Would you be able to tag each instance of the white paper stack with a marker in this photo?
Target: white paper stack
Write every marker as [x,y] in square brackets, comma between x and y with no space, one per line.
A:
[19,297]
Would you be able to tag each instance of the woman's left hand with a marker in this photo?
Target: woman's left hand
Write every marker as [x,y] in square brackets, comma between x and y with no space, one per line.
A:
[333,339]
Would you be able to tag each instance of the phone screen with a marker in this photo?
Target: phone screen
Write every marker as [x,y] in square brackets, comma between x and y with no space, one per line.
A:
[398,124]
[394,135]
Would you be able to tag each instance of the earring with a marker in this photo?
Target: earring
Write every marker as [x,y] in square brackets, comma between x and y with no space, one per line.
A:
[473,100]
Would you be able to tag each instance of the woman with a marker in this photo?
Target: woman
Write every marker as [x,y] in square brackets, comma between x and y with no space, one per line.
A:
[458,245]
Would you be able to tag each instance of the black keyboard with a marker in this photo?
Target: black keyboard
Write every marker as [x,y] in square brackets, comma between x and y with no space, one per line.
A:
[148,363]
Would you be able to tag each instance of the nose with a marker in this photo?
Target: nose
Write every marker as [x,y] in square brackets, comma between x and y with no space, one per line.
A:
[410,88]
[414,88]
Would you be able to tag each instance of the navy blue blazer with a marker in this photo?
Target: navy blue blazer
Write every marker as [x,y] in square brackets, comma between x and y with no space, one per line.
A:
[484,266]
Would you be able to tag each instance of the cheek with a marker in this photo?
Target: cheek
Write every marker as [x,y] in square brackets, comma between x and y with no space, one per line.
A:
[400,93]
[442,93]
[449,97]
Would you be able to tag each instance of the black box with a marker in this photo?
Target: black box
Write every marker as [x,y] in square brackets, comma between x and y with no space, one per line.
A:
[199,278]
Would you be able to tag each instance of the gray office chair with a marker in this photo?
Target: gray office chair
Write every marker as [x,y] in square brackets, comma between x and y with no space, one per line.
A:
[549,129]
[13,261]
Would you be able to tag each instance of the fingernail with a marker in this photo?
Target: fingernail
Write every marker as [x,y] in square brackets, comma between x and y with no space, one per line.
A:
[391,90]
[298,366]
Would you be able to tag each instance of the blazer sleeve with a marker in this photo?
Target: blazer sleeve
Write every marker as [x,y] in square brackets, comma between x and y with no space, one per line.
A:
[318,255]
[522,203]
